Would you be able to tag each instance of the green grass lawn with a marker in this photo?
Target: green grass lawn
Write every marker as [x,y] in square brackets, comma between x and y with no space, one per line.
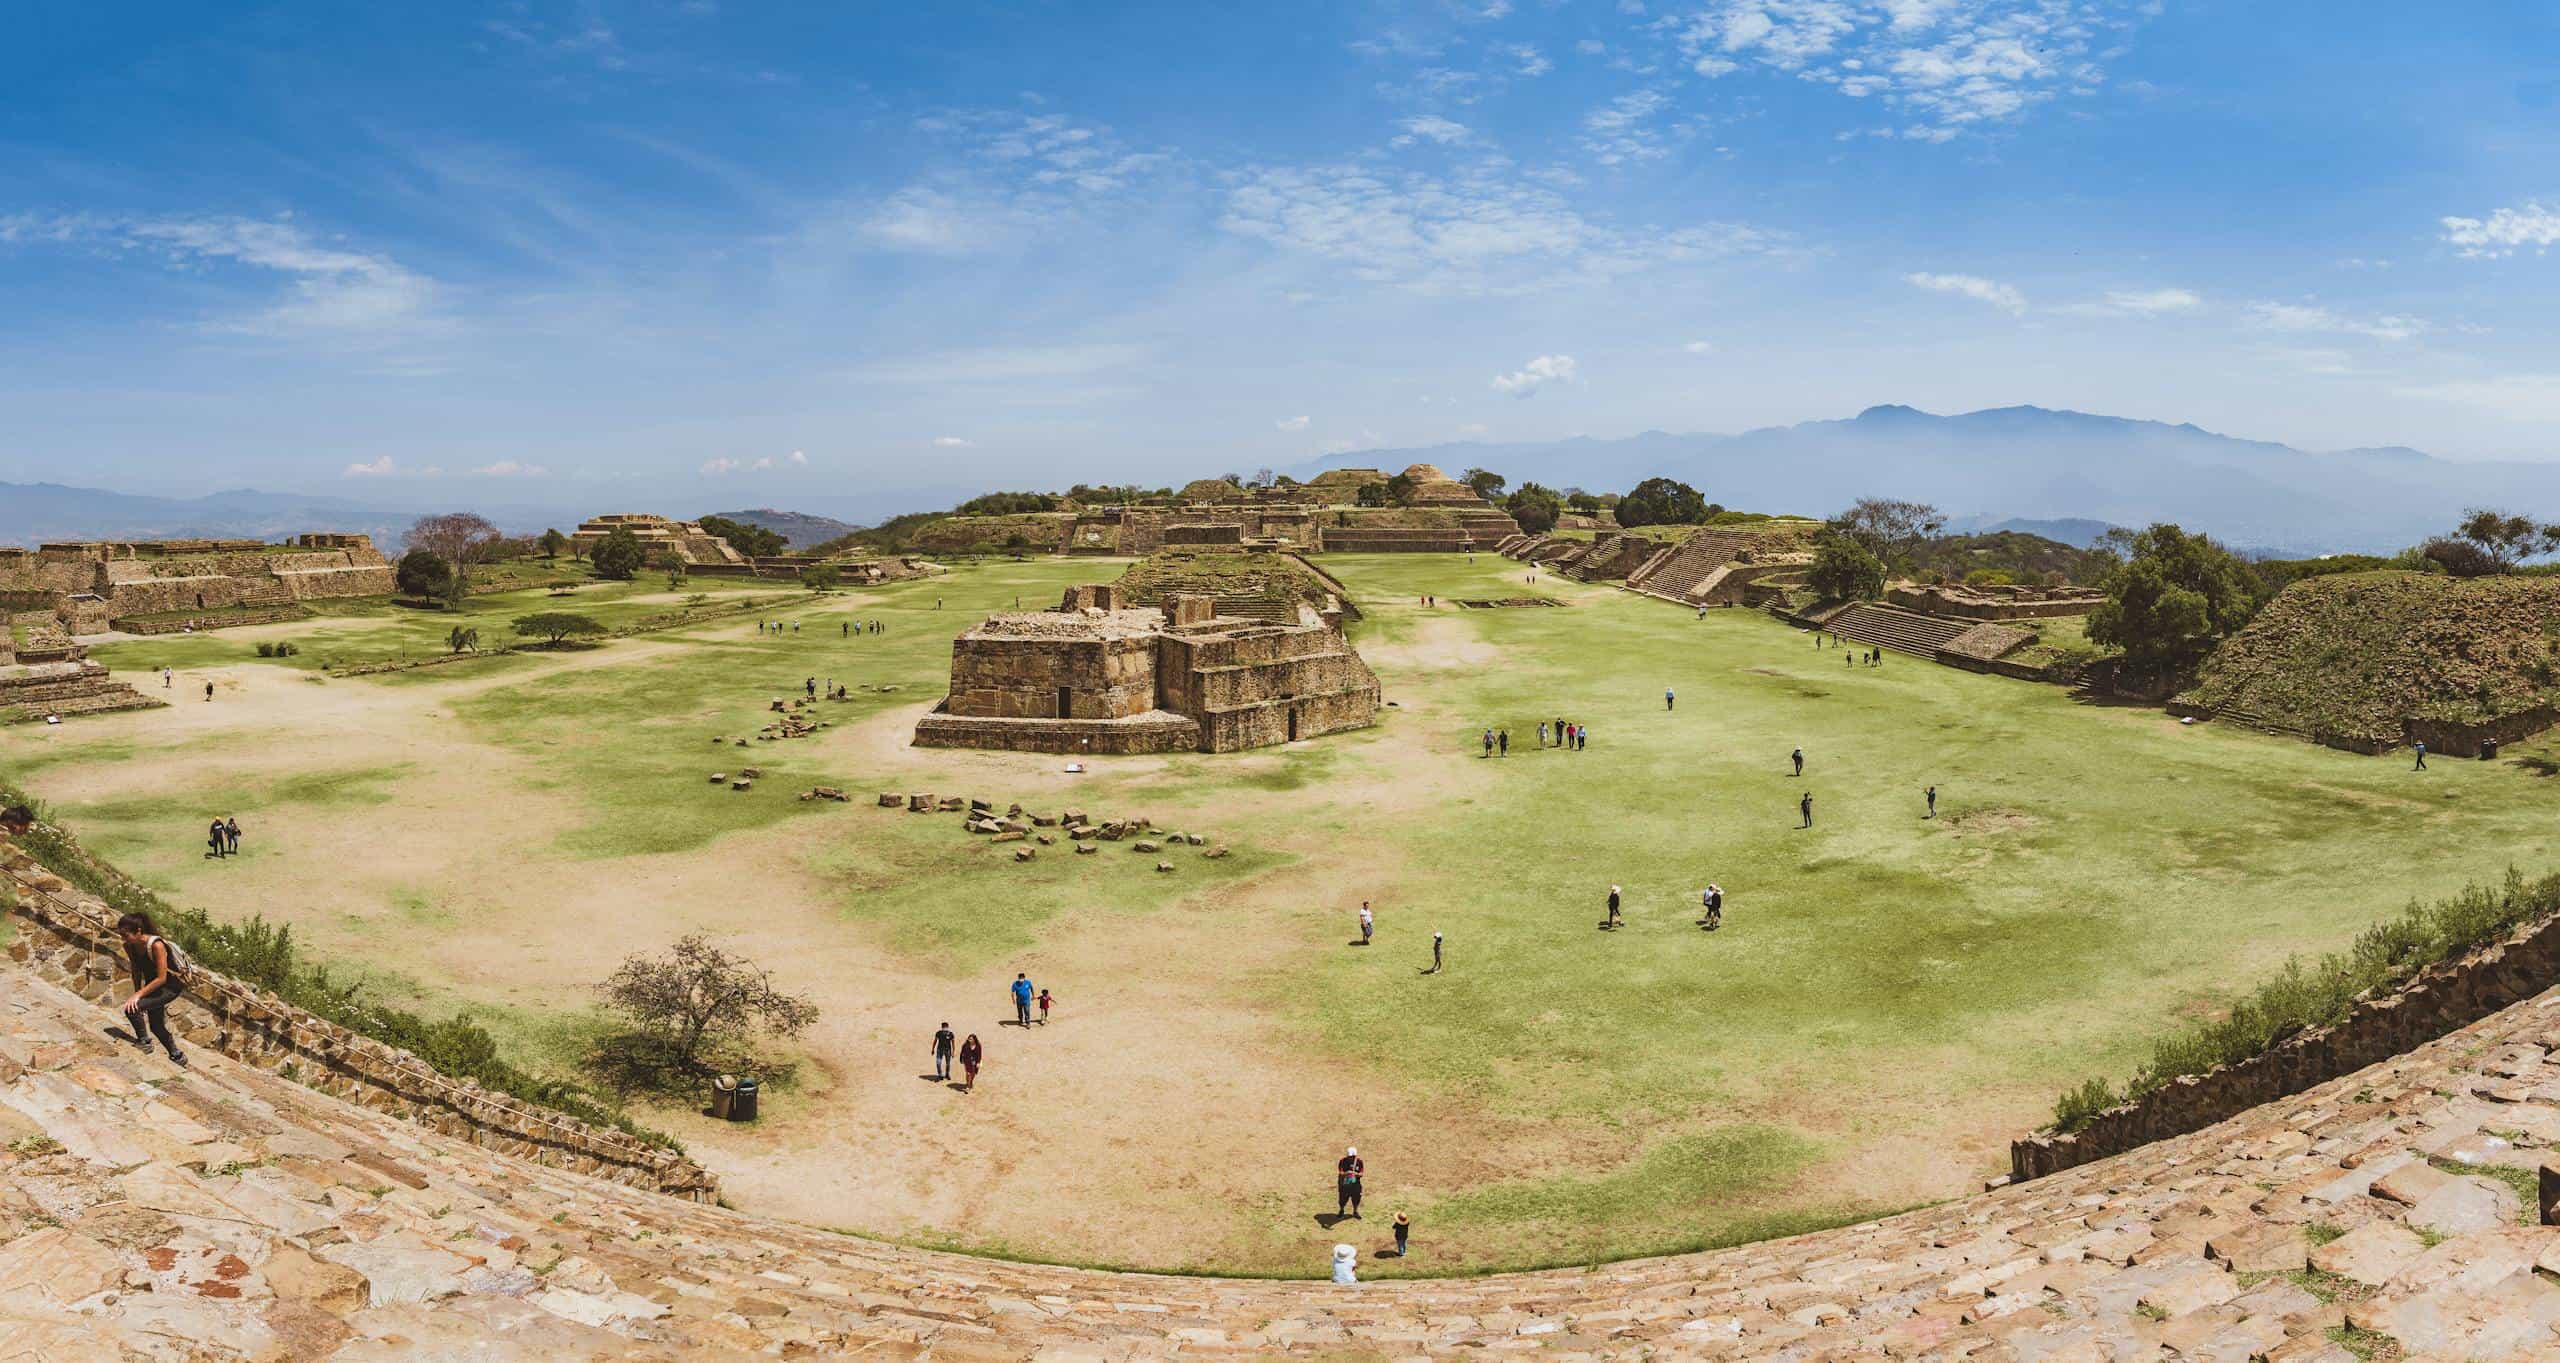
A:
[1891,996]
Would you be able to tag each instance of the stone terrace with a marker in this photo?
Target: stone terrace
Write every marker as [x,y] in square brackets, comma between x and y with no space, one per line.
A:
[232,1214]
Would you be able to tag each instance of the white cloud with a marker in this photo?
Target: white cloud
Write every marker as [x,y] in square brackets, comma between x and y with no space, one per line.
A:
[2503,231]
[1368,440]
[2138,303]
[930,222]
[1592,47]
[798,457]
[509,468]
[1473,428]
[332,290]
[1623,129]
[1484,229]
[1953,65]
[952,442]
[1976,287]
[2312,318]
[381,467]
[1536,374]
[713,468]
[1290,423]
[1700,347]
[1527,60]
[1047,151]
[1429,128]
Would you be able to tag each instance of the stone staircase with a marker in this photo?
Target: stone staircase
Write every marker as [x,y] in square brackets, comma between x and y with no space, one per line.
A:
[226,1213]
[1678,575]
[1892,627]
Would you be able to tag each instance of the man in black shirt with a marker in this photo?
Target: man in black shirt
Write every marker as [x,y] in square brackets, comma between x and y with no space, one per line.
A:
[1346,1183]
[942,1044]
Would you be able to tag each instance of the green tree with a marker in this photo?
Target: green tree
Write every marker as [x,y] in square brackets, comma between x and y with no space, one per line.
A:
[557,627]
[463,637]
[1845,570]
[553,542]
[1583,502]
[754,541]
[1535,507]
[618,556]
[1370,494]
[1487,483]
[1662,501]
[821,578]
[1890,528]
[694,1012]
[2173,596]
[676,575]
[1400,490]
[2506,540]
[423,575]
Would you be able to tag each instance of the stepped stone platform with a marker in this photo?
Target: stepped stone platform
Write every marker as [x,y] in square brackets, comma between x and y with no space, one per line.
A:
[227,1213]
[1894,628]
[70,686]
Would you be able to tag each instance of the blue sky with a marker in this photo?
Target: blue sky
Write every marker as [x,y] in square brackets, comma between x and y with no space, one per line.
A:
[713,252]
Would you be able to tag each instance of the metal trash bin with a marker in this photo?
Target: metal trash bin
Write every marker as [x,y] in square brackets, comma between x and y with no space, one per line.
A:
[2488,750]
[742,1106]
[724,1097]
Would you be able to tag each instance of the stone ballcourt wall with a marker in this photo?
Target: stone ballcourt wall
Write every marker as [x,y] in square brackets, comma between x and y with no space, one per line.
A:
[2440,1000]
[68,938]
[2466,740]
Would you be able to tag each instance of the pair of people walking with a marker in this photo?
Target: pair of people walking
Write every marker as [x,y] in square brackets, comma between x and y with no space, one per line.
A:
[222,838]
[1023,997]
[971,1055]
[1497,740]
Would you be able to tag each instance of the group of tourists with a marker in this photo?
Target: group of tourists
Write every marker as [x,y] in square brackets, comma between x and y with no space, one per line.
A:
[1569,737]
[1710,908]
[831,690]
[222,838]
[971,1053]
[1872,657]
[1349,1173]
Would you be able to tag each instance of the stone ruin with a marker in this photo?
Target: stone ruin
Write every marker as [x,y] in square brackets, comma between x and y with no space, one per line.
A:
[51,675]
[92,586]
[1099,675]
[667,541]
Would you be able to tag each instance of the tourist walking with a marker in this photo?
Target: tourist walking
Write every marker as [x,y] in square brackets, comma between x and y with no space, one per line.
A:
[971,1055]
[943,1041]
[1799,756]
[1713,902]
[2422,757]
[159,973]
[231,836]
[1667,698]
[1368,923]
[1435,955]
[1542,733]
[1488,742]
[1404,1229]
[1581,737]
[208,693]
[1346,1182]
[1806,806]
[168,677]
[811,687]
[214,839]
[1022,1000]
[1045,1001]
[1344,1259]
[1613,919]
[1502,740]
[1933,802]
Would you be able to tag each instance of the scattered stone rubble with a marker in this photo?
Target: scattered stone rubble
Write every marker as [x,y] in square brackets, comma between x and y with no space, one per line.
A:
[1016,824]
[230,1214]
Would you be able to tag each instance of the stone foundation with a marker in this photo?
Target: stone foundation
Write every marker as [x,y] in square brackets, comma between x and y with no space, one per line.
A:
[1150,731]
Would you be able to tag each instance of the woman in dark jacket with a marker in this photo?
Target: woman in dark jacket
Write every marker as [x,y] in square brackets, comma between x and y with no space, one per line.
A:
[970,1054]
[157,982]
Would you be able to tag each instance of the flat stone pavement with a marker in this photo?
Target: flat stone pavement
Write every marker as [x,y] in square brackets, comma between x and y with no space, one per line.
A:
[224,1213]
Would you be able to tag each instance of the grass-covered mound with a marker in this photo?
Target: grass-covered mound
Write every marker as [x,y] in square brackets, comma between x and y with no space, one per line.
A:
[2352,656]
[1252,582]
[1045,531]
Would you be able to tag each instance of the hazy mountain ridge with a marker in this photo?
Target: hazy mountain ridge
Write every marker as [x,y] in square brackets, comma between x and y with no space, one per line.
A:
[2034,464]
[798,529]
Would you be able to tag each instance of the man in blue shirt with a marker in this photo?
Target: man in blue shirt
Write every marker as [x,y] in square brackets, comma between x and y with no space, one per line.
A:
[1022,1000]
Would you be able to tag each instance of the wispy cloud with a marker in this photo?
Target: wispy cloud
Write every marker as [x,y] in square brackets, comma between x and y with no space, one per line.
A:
[1428,128]
[2503,232]
[381,467]
[509,468]
[1992,291]
[1527,60]
[930,222]
[1536,374]
[2138,303]
[2306,317]
[1624,129]
[1290,423]
[1484,229]
[1700,347]
[2515,397]
[330,288]
[952,442]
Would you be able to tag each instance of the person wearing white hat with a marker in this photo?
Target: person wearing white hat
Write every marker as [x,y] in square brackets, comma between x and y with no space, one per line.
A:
[1346,1183]
[1614,920]
[1344,1257]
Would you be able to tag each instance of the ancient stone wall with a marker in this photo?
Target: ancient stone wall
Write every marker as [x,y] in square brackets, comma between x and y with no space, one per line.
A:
[1995,603]
[2469,740]
[68,938]
[1257,686]
[2441,999]
[1155,731]
[1011,677]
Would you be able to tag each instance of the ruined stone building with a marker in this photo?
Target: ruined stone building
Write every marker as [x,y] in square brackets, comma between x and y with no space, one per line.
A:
[1099,675]
[89,585]
[666,541]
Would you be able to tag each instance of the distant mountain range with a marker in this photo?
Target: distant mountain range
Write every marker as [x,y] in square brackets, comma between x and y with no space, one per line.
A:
[34,513]
[797,529]
[2020,467]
